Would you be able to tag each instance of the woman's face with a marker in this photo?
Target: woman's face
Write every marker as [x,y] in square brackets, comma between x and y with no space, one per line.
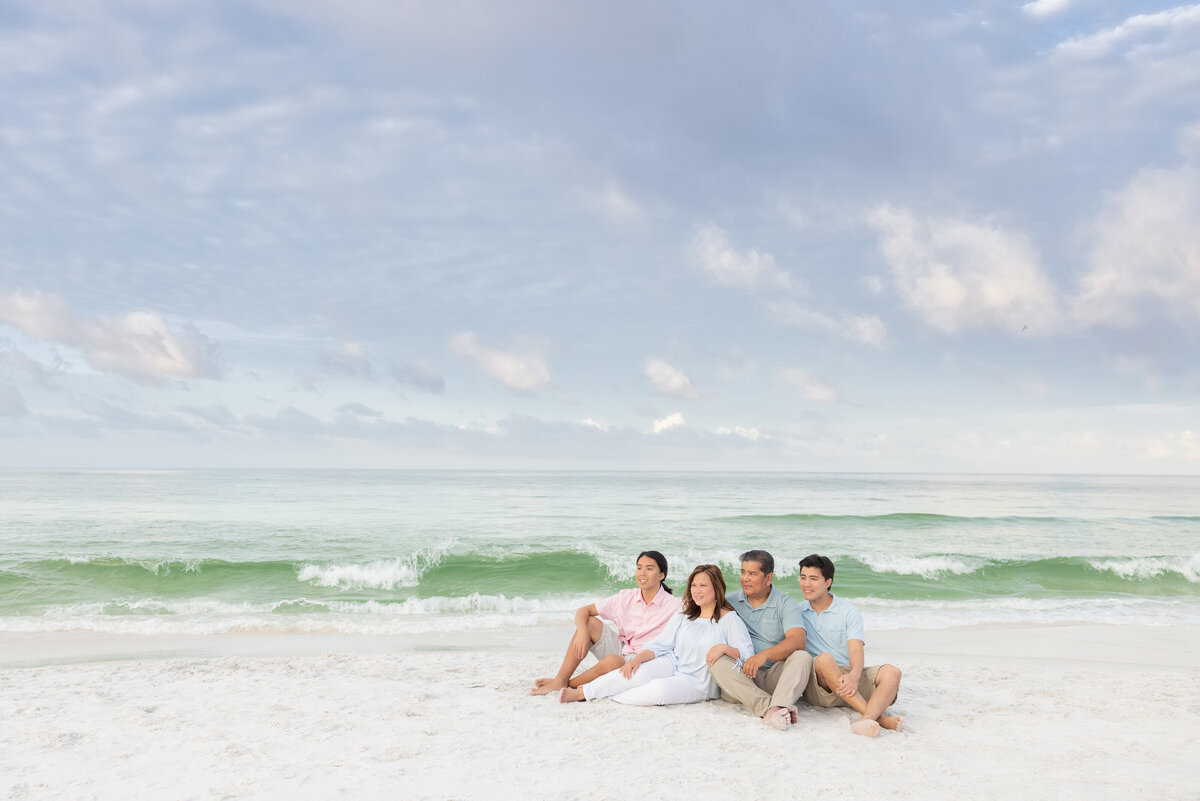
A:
[702,590]
[647,575]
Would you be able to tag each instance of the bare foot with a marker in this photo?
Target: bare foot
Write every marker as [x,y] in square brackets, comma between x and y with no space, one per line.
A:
[890,722]
[546,686]
[777,717]
[865,727]
[568,694]
[794,714]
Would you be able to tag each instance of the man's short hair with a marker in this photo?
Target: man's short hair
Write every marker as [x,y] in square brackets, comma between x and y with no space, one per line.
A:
[822,563]
[764,559]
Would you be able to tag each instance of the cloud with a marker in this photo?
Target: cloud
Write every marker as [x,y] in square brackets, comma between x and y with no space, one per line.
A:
[1145,246]
[21,362]
[810,387]
[590,423]
[718,258]
[751,434]
[1183,445]
[140,345]
[523,371]
[350,358]
[1046,8]
[1138,26]
[863,328]
[960,274]
[614,203]
[668,380]
[12,404]
[420,374]
[672,420]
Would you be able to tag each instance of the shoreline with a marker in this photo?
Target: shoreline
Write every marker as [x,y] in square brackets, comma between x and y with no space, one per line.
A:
[1116,645]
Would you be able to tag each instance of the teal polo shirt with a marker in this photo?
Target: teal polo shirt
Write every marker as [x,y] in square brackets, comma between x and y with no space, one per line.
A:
[768,622]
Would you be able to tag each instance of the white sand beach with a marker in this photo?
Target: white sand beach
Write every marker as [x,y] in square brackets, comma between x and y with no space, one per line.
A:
[1066,712]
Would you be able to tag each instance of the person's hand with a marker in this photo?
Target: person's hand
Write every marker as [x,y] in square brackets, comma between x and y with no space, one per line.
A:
[629,668]
[714,653]
[750,666]
[846,686]
[580,644]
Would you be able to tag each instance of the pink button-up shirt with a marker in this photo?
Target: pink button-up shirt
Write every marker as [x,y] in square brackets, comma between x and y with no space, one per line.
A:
[638,622]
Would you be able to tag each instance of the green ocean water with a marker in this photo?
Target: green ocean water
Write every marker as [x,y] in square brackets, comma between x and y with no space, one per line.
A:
[396,551]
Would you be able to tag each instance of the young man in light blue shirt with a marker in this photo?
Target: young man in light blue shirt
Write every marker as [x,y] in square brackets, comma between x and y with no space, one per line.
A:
[834,637]
[770,682]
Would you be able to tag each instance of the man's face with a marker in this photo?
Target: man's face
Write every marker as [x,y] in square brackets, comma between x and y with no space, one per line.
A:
[813,585]
[754,581]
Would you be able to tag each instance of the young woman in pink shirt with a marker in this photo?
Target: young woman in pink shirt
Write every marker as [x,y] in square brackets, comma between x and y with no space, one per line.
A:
[617,628]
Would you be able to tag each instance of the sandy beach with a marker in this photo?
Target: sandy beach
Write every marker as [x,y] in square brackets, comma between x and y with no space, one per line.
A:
[1091,712]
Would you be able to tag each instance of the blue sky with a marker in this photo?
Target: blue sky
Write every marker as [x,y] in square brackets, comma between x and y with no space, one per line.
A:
[827,236]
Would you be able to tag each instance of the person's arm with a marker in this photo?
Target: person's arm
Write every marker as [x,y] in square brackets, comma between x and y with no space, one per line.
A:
[847,684]
[793,640]
[582,640]
[737,645]
[630,667]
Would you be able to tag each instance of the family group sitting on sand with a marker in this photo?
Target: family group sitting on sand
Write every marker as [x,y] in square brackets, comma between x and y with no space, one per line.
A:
[654,649]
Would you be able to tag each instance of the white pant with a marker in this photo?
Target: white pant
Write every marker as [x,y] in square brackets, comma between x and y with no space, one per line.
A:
[654,684]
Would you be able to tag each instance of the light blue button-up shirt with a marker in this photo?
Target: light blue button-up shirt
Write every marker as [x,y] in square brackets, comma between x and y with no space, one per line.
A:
[768,623]
[831,631]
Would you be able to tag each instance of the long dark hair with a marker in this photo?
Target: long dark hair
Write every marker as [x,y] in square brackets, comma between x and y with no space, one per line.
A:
[691,608]
[662,565]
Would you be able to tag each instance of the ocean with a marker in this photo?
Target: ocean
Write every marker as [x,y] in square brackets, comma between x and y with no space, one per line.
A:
[398,552]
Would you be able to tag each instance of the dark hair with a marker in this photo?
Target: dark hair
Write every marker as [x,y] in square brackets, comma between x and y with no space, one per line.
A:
[691,608]
[662,565]
[764,559]
[822,563]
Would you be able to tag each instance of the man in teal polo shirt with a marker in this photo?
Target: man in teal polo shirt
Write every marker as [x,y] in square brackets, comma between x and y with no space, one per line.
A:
[769,682]
[835,640]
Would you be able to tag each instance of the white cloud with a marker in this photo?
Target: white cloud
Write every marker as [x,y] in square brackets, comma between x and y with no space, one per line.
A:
[719,259]
[810,387]
[351,358]
[669,380]
[522,371]
[140,345]
[672,420]
[1046,8]
[866,329]
[751,434]
[614,203]
[1146,245]
[957,274]
[590,423]
[1182,445]
[1098,44]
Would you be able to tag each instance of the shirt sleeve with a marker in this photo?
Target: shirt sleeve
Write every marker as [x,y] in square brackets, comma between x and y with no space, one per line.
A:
[736,634]
[665,642]
[854,625]
[791,616]
[610,607]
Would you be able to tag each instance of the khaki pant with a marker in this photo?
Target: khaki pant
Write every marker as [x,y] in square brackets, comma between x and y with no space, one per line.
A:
[817,695]
[779,685]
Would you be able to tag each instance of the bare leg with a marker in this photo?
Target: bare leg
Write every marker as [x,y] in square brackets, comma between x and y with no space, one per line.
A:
[569,663]
[887,684]
[605,665]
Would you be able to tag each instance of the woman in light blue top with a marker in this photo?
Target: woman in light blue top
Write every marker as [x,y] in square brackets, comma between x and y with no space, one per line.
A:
[674,668]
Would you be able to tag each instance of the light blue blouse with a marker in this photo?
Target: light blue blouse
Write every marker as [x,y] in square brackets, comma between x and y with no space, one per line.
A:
[687,642]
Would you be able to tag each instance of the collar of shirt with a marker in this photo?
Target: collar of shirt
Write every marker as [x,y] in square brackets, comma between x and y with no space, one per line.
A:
[739,597]
[658,597]
[808,607]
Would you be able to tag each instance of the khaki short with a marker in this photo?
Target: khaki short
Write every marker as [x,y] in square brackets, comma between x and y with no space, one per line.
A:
[609,643]
[817,695]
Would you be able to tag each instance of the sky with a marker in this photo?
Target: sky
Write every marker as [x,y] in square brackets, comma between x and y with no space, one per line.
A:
[958,237]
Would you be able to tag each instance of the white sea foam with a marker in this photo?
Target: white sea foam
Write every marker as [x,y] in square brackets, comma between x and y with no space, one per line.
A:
[888,614]
[381,574]
[1149,567]
[924,566]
